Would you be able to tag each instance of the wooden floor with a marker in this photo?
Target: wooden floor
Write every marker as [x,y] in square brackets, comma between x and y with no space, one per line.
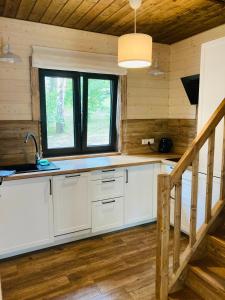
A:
[115,266]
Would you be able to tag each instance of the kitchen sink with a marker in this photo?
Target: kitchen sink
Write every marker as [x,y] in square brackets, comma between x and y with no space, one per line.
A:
[26,168]
[173,159]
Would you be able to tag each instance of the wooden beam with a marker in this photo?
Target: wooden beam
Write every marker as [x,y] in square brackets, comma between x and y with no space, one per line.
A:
[35,93]
[209,181]
[163,230]
[222,179]
[177,225]
[194,200]
[1,290]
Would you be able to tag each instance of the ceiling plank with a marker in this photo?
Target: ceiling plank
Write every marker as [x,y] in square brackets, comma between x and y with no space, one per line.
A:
[82,9]
[25,8]
[114,18]
[2,5]
[66,11]
[53,9]
[38,10]
[10,8]
[106,13]
[93,13]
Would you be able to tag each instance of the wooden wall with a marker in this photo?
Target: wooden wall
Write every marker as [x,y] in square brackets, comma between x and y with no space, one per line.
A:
[13,150]
[184,61]
[147,96]
[182,132]
[150,101]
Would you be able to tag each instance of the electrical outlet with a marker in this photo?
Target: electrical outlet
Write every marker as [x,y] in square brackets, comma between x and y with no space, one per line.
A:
[147,141]
[151,141]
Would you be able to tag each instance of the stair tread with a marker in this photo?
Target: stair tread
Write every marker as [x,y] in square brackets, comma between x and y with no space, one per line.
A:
[219,239]
[184,294]
[220,233]
[211,271]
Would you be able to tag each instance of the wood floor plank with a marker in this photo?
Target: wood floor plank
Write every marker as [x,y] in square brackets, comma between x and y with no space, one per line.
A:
[119,265]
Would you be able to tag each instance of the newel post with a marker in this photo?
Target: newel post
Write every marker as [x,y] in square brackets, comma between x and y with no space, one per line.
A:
[163,231]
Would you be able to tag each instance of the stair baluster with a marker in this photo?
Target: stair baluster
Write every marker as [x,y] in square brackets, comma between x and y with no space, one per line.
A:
[165,282]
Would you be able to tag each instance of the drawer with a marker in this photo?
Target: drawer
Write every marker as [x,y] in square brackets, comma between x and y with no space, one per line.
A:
[106,174]
[106,188]
[107,214]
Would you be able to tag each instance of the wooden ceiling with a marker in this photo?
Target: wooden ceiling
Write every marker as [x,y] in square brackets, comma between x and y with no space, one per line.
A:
[168,21]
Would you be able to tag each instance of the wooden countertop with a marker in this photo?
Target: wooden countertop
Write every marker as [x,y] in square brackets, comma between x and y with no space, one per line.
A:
[71,166]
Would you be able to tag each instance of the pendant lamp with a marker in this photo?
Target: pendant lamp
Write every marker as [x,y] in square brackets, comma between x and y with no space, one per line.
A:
[135,49]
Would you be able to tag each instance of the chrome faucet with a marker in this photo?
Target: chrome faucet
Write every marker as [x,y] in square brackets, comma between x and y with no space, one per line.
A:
[28,136]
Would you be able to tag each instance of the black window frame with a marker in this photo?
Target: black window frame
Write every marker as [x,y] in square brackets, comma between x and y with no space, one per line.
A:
[79,113]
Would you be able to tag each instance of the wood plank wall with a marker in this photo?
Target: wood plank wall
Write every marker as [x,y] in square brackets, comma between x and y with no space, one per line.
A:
[13,150]
[182,132]
[147,96]
[185,61]
[150,101]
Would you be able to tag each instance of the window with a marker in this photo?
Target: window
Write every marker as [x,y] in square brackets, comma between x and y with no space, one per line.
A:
[78,112]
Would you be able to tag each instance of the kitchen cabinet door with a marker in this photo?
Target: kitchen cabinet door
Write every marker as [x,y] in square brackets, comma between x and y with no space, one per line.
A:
[139,194]
[25,214]
[72,209]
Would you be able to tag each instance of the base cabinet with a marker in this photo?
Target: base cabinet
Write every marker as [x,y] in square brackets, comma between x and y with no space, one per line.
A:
[41,212]
[72,209]
[139,194]
[25,214]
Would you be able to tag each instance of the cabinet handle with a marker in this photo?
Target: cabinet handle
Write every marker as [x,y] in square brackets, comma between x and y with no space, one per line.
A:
[127,177]
[105,171]
[106,202]
[72,176]
[50,187]
[106,181]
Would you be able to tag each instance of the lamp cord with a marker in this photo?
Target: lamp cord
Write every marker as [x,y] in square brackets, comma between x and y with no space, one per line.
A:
[135,21]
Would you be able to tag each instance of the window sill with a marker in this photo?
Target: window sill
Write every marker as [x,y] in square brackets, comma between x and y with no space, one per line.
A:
[82,156]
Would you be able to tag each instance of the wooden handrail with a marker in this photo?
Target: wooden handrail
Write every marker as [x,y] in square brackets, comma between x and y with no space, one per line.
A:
[166,182]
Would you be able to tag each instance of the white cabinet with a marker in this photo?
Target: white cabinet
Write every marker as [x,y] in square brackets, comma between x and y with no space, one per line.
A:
[139,194]
[107,214]
[72,209]
[25,214]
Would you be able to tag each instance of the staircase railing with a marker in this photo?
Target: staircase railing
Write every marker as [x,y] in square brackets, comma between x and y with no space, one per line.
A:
[165,279]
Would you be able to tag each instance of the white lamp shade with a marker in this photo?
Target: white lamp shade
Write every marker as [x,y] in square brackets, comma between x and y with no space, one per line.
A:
[135,50]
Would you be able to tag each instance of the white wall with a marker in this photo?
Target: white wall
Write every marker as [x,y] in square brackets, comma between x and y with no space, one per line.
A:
[147,97]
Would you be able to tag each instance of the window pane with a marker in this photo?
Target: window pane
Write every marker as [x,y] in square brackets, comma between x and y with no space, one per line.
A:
[99,112]
[59,112]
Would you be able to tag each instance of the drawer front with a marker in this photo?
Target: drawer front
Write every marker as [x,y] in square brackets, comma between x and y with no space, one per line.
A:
[107,214]
[106,174]
[106,188]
